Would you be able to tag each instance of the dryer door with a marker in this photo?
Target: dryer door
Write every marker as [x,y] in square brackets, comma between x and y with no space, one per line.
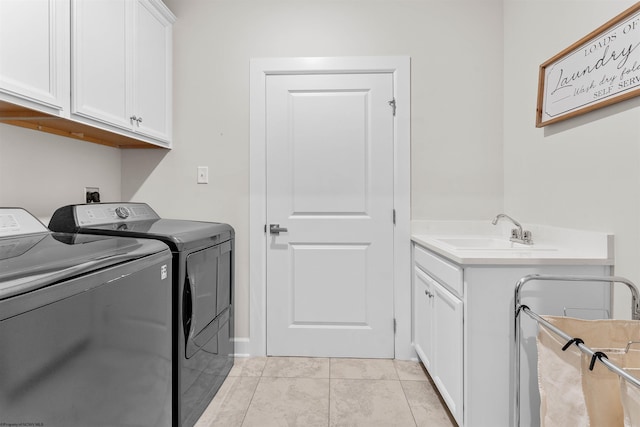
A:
[206,295]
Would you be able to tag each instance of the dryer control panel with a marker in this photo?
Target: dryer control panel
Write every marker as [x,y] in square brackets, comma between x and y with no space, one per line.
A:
[107,213]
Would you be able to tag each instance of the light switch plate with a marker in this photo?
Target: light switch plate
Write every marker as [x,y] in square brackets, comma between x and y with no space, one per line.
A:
[203,174]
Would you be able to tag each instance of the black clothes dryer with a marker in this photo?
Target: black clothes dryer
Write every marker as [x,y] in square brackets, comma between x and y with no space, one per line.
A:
[203,260]
[85,327]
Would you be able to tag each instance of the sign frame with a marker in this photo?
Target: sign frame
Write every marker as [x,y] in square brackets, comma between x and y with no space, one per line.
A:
[600,69]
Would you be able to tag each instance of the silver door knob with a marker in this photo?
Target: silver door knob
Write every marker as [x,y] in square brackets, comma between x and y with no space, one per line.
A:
[276,229]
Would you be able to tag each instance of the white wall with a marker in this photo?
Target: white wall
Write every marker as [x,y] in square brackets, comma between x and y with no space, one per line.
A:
[41,172]
[582,172]
[456,51]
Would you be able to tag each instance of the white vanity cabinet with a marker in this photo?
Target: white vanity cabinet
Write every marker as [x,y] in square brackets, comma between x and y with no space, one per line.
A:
[438,326]
[121,62]
[34,54]
[463,327]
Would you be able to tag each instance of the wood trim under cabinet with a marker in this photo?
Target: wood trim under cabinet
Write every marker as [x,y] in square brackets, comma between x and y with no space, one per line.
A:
[35,120]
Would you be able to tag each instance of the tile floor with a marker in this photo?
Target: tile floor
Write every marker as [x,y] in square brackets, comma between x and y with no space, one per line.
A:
[308,392]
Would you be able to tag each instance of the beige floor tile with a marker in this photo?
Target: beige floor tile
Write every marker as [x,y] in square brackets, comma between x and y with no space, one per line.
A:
[289,402]
[296,367]
[248,367]
[229,406]
[296,391]
[410,371]
[369,403]
[371,369]
[425,404]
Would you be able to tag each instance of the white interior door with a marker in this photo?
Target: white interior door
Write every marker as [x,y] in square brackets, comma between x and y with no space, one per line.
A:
[329,171]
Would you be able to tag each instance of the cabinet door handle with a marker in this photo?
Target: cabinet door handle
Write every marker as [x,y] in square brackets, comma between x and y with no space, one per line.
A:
[139,120]
[429,294]
[133,119]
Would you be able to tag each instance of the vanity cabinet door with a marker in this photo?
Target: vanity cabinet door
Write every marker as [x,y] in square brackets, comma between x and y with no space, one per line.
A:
[448,348]
[438,330]
[34,52]
[423,317]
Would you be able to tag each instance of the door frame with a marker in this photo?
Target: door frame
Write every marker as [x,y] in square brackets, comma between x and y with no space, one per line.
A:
[400,67]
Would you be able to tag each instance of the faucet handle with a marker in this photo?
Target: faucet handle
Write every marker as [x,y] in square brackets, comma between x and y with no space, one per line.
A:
[524,238]
[515,234]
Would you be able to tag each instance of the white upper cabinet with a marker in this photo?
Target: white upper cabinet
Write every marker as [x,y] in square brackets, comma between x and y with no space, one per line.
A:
[34,54]
[121,66]
[99,61]
[94,70]
[152,71]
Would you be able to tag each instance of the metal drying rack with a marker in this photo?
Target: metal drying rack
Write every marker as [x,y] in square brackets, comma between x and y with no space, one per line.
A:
[594,355]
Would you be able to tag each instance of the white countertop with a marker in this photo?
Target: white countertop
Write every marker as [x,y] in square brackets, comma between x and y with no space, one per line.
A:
[552,245]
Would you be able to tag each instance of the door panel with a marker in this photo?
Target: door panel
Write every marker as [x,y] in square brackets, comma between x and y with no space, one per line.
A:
[330,152]
[322,271]
[330,183]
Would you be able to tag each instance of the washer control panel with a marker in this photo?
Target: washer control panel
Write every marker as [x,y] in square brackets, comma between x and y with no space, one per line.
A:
[17,221]
[107,213]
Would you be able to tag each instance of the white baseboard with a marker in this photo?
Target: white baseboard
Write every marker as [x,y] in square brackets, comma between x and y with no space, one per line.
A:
[241,347]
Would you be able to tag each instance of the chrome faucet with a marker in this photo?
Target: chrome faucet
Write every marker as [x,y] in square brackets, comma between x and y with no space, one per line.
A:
[518,235]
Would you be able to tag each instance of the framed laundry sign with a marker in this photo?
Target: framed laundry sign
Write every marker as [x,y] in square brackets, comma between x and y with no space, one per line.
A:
[598,70]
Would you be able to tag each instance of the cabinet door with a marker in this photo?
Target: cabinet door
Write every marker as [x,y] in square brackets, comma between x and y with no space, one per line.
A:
[99,61]
[448,348]
[423,318]
[34,52]
[152,72]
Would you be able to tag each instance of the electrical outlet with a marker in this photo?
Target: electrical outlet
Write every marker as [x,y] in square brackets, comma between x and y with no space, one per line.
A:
[92,194]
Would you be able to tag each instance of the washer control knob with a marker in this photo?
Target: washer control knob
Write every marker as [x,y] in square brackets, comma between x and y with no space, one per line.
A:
[122,212]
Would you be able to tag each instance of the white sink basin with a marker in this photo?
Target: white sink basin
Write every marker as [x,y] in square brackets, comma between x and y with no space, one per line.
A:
[487,244]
